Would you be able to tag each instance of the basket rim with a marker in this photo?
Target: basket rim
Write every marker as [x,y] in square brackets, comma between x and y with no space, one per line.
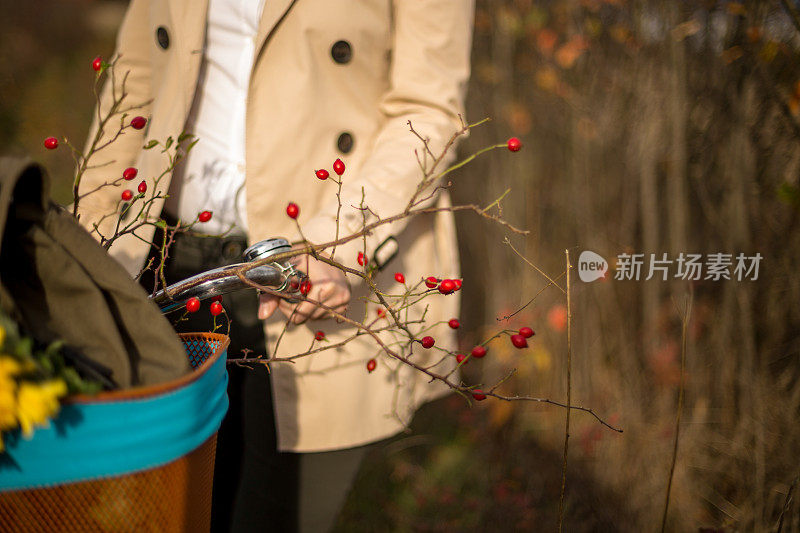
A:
[102,439]
[159,388]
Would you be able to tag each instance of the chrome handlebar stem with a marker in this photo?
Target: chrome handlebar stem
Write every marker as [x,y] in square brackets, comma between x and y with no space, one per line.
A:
[283,277]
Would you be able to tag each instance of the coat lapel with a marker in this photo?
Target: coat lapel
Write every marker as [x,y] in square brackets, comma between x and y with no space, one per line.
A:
[189,19]
[274,11]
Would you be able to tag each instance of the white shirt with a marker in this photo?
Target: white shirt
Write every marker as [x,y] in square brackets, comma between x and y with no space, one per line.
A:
[212,177]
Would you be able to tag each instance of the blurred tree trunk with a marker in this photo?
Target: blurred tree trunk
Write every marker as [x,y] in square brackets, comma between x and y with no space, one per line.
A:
[677,109]
[646,160]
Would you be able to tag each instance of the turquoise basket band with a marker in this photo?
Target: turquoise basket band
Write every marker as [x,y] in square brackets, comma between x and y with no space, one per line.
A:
[98,440]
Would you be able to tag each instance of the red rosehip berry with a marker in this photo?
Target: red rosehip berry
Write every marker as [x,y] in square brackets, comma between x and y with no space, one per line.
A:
[204,216]
[381,312]
[457,283]
[514,144]
[454,323]
[460,357]
[305,287]
[478,395]
[427,342]
[431,282]
[478,351]
[292,210]
[338,167]
[361,258]
[97,64]
[399,277]
[371,364]
[322,174]
[320,335]
[215,308]
[447,286]
[294,285]
[129,173]
[527,332]
[138,123]
[193,305]
[142,188]
[51,143]
[519,341]
[127,194]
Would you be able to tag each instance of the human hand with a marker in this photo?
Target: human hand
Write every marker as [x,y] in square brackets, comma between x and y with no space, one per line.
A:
[329,286]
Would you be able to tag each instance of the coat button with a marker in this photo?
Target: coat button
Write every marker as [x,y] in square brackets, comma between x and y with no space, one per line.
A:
[162,36]
[341,52]
[345,142]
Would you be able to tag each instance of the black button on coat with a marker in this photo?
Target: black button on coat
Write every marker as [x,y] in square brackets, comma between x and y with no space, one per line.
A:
[342,52]
[162,37]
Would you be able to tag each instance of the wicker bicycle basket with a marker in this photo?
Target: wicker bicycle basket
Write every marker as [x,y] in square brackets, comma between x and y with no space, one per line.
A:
[168,497]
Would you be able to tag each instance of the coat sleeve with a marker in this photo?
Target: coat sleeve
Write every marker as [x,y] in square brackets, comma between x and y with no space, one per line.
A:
[429,71]
[132,73]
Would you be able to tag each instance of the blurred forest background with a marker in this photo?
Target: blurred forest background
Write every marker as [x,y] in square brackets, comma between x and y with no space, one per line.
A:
[649,126]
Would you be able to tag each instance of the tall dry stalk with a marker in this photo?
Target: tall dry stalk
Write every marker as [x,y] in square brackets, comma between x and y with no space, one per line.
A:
[685,315]
[569,395]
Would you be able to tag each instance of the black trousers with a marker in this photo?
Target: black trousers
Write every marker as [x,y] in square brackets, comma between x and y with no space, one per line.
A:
[256,487]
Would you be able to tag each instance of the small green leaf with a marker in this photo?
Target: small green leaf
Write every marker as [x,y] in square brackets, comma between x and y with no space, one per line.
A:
[24,347]
[46,366]
[169,142]
[183,136]
[151,144]
[72,379]
[54,348]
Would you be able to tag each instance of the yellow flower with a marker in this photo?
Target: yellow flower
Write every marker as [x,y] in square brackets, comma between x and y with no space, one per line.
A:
[8,367]
[8,403]
[37,403]
[8,388]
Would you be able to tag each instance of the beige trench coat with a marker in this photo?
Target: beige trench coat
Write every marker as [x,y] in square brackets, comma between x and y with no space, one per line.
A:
[406,60]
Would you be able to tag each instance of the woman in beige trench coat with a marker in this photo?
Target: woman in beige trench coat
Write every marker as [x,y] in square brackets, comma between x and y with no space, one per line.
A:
[330,79]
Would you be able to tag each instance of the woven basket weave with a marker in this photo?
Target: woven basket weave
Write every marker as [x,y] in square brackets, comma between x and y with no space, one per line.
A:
[169,498]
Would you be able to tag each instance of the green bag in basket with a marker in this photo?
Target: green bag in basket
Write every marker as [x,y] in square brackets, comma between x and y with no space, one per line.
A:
[60,284]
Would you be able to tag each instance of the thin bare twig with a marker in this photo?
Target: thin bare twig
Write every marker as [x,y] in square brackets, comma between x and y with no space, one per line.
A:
[537,269]
[687,310]
[508,317]
[786,503]
[569,397]
[587,410]
[338,213]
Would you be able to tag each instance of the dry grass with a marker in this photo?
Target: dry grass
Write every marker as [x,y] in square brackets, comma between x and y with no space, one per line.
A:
[675,130]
